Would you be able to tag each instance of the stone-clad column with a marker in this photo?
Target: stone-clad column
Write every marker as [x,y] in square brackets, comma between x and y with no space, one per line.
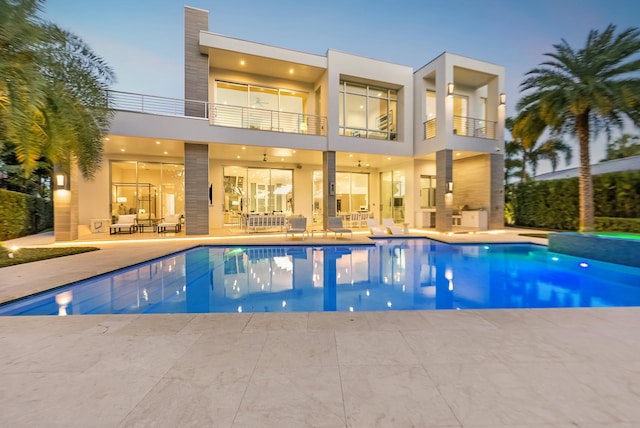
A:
[496,203]
[444,200]
[329,183]
[196,189]
[196,65]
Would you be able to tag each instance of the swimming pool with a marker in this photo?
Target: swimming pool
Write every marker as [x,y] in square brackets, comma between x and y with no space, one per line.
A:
[393,274]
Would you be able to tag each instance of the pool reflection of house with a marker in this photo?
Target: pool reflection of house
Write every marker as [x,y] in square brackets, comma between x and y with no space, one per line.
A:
[264,129]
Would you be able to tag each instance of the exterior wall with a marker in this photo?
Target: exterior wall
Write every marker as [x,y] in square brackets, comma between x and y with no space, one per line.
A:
[444,200]
[95,196]
[366,70]
[463,72]
[471,183]
[496,202]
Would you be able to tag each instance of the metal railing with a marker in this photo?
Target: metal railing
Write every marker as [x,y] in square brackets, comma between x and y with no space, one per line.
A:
[470,127]
[152,104]
[429,129]
[220,114]
[266,120]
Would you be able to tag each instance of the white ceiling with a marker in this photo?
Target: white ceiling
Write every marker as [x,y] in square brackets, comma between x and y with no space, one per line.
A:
[146,147]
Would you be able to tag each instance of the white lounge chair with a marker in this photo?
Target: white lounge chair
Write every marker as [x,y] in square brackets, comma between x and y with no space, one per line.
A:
[334,224]
[296,225]
[170,221]
[124,223]
[374,227]
[391,227]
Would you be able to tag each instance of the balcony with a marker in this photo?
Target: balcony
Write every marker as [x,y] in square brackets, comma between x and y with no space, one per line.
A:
[266,120]
[220,114]
[470,127]
[127,101]
[466,127]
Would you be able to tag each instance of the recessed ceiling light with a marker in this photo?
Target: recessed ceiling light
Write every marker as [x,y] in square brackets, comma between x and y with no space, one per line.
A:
[457,154]
[291,71]
[281,159]
[244,148]
[388,158]
[122,150]
[157,142]
[242,62]
[294,151]
[107,138]
[351,155]
[238,157]
[166,153]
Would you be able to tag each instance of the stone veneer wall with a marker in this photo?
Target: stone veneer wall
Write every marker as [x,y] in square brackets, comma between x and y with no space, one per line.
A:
[196,189]
[196,65]
[591,246]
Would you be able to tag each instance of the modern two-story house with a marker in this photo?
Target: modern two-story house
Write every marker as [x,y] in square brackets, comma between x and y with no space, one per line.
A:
[268,130]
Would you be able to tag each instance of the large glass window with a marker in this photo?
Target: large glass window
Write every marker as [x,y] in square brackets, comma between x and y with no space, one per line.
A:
[150,190]
[368,111]
[249,106]
[427,191]
[256,190]
[392,195]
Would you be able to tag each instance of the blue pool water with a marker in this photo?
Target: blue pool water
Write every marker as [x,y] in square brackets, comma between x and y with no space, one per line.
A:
[390,275]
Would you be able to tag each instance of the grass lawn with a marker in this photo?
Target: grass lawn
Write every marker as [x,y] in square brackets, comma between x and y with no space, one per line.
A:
[26,255]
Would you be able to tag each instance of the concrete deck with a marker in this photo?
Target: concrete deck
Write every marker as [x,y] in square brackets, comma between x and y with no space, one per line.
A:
[555,368]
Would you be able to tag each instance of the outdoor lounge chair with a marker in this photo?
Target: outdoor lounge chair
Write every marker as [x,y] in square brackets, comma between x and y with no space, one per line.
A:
[374,227]
[126,223]
[296,225]
[334,224]
[391,227]
[170,221]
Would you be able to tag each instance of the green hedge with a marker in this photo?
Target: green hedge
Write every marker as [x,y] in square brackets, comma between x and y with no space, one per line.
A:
[553,204]
[22,214]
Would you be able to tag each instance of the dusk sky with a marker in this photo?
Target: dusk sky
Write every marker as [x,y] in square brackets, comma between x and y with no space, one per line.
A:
[143,39]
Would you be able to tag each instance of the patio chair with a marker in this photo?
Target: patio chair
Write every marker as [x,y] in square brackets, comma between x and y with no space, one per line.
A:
[170,221]
[126,223]
[296,225]
[334,224]
[391,227]
[374,227]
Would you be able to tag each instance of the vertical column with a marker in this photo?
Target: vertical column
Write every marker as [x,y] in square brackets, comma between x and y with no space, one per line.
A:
[496,195]
[196,188]
[65,206]
[444,199]
[196,65]
[329,183]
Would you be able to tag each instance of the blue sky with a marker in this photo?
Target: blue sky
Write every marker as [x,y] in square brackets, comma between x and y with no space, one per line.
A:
[143,39]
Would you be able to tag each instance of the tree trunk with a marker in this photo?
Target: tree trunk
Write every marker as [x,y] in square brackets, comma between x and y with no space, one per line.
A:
[585,183]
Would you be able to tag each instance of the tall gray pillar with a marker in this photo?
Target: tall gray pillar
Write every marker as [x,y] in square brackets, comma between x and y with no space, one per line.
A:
[496,195]
[196,65]
[196,189]
[329,183]
[444,200]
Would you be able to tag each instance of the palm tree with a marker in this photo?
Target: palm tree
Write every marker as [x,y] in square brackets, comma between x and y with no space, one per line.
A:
[527,129]
[587,90]
[55,91]
[624,147]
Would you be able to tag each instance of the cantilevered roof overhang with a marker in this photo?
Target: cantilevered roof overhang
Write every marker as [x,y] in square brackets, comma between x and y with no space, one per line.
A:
[229,53]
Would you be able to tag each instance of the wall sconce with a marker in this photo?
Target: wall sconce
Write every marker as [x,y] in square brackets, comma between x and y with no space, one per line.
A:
[449,89]
[503,98]
[61,181]
[449,187]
